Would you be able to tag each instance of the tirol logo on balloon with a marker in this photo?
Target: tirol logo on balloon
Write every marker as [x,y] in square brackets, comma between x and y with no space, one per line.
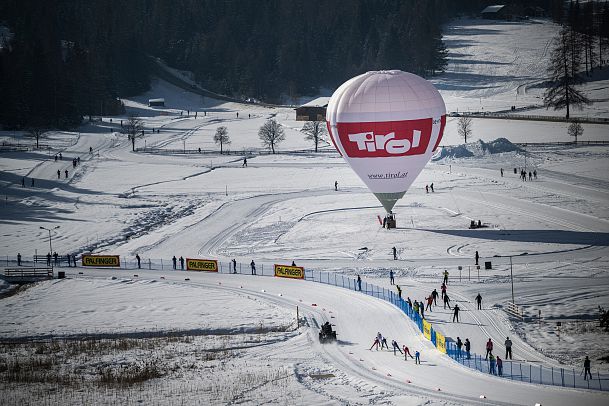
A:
[386,125]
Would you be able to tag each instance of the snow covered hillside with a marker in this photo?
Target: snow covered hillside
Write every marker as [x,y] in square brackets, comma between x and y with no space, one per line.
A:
[161,336]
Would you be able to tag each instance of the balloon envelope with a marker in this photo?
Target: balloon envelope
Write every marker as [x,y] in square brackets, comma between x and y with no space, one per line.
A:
[386,125]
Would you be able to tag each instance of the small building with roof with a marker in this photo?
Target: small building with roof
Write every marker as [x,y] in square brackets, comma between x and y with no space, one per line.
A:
[497,12]
[156,102]
[315,110]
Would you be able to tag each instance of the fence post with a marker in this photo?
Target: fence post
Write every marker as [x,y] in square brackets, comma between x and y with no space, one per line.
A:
[562,376]
[530,373]
[149,264]
[552,376]
[161,264]
[574,377]
[520,363]
[511,373]
[599,380]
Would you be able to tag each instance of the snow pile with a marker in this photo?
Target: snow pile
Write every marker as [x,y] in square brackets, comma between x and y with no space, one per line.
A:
[479,148]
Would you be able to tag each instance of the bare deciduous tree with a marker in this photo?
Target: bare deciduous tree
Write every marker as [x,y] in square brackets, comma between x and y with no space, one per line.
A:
[132,128]
[271,134]
[315,131]
[465,127]
[221,137]
[575,130]
[36,132]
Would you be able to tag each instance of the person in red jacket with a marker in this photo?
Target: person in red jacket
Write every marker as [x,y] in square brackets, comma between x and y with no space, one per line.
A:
[406,353]
[489,348]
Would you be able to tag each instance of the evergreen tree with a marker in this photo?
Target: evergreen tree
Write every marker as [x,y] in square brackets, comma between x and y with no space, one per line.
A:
[563,75]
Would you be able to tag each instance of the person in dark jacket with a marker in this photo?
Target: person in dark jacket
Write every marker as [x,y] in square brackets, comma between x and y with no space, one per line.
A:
[479,301]
[468,347]
[587,368]
[174,260]
[456,313]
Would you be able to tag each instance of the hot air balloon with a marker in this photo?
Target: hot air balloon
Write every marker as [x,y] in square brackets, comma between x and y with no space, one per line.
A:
[386,125]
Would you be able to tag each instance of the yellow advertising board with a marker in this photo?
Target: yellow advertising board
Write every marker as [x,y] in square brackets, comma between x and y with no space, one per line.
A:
[193,264]
[441,342]
[427,329]
[101,260]
[285,271]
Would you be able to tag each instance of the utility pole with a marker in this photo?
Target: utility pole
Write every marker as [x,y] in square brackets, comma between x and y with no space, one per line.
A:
[512,277]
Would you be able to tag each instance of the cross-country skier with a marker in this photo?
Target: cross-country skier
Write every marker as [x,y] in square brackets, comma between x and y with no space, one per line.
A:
[406,353]
[456,313]
[468,347]
[434,294]
[445,277]
[384,343]
[375,343]
[395,346]
[479,301]
[417,357]
[429,302]
[447,301]
[395,253]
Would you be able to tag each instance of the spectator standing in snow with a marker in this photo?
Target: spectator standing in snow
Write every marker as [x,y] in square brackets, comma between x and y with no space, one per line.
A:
[415,307]
[468,347]
[18,259]
[489,348]
[399,291]
[445,277]
[459,346]
[234,265]
[491,366]
[406,353]
[335,185]
[66,173]
[60,157]
[58,174]
[422,309]
[244,163]
[359,283]
[137,258]
[395,346]
[456,313]
[174,260]
[535,174]
[253,267]
[391,280]
[479,301]
[447,301]
[48,259]
[508,348]
[69,261]
[395,253]
[530,175]
[409,302]
[499,366]
[502,172]
[182,263]
[434,294]
[477,256]
[56,258]
[587,372]
[417,357]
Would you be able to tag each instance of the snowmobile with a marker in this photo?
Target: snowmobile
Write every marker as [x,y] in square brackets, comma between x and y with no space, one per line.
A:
[326,334]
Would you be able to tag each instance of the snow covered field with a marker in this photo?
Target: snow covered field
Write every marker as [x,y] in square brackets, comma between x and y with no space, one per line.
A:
[220,338]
